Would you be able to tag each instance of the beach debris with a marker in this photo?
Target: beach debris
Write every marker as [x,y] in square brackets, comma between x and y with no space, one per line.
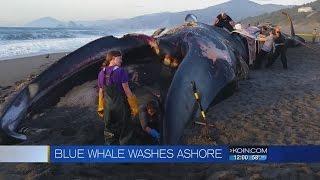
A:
[31,131]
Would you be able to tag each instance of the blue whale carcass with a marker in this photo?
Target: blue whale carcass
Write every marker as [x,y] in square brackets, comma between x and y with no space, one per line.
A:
[212,58]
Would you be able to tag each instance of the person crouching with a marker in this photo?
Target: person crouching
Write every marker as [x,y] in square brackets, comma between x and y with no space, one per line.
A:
[150,120]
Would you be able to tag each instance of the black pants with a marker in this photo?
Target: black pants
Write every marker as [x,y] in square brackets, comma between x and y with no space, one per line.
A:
[117,118]
[280,50]
[262,54]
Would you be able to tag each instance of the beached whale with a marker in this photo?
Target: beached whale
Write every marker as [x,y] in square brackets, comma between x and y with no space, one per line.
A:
[71,70]
[194,52]
[293,40]
[206,55]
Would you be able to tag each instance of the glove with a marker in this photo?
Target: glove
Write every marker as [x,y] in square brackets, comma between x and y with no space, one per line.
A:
[154,133]
[133,103]
[100,103]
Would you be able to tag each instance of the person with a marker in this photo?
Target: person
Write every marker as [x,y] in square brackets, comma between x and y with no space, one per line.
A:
[224,21]
[190,18]
[280,49]
[314,35]
[118,101]
[150,120]
[264,30]
[266,48]
[100,108]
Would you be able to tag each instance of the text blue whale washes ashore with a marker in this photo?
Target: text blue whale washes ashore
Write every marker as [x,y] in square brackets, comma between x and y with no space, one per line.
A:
[209,56]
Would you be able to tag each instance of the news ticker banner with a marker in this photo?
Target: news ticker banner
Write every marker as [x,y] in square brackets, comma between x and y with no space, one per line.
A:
[160,154]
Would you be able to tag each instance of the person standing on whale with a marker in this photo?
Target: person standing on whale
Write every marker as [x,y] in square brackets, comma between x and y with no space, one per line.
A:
[224,21]
[118,101]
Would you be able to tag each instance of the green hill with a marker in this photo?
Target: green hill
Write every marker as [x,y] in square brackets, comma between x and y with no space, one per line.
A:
[303,22]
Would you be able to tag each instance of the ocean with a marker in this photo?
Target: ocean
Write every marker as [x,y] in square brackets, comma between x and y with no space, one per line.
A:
[22,41]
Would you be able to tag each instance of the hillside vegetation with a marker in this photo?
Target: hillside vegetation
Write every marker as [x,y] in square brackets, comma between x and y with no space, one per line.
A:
[303,22]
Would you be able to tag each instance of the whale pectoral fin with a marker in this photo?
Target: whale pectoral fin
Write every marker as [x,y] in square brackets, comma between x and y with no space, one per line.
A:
[210,77]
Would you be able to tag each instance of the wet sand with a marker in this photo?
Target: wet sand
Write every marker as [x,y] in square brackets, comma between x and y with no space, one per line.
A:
[273,107]
[13,70]
[14,73]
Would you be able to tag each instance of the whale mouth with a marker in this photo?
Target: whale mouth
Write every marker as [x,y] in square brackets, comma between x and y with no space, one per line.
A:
[164,66]
[154,78]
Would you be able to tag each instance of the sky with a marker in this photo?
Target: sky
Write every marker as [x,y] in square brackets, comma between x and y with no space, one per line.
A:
[19,12]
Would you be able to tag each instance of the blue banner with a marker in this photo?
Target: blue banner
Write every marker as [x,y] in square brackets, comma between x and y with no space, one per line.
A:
[138,154]
[184,154]
[297,154]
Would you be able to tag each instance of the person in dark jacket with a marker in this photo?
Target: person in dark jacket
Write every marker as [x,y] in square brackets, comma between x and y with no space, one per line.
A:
[150,120]
[224,21]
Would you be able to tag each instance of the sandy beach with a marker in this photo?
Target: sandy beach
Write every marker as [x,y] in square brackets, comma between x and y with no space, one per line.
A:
[14,70]
[273,107]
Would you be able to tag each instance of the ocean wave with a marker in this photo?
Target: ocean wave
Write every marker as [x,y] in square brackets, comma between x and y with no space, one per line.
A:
[19,42]
[9,34]
[30,36]
[23,48]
